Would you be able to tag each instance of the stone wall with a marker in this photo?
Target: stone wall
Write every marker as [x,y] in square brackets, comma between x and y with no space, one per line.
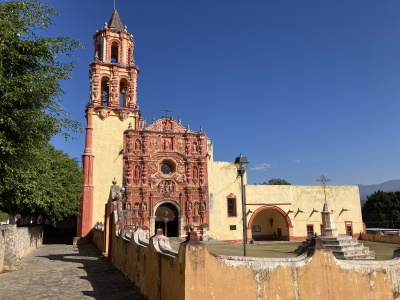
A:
[381,238]
[17,242]
[194,273]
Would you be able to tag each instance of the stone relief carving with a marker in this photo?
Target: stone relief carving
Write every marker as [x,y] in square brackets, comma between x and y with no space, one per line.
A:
[104,113]
[129,145]
[138,145]
[122,114]
[167,144]
[181,169]
[154,143]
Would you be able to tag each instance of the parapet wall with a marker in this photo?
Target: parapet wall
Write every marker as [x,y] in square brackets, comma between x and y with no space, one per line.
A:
[381,238]
[98,236]
[194,273]
[17,242]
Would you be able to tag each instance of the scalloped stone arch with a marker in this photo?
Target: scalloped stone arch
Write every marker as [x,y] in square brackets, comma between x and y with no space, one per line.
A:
[153,217]
[173,202]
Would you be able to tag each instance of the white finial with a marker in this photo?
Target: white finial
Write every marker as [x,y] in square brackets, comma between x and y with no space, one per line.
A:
[115,4]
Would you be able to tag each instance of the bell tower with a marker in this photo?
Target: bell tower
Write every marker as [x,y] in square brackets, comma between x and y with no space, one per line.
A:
[111,110]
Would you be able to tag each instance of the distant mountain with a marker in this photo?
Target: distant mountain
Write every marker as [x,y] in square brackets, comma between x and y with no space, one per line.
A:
[388,186]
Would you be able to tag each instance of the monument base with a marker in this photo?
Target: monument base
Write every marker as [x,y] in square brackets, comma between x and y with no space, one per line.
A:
[343,247]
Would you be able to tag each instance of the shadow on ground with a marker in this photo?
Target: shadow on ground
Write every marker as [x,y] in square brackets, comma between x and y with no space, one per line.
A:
[106,281]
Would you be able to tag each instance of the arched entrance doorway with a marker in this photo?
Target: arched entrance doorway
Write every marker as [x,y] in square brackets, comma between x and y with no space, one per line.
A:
[270,223]
[166,218]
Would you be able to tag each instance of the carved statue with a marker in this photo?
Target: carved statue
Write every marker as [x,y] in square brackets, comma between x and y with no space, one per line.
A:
[195,173]
[161,186]
[137,171]
[129,146]
[167,187]
[196,209]
[167,144]
[138,145]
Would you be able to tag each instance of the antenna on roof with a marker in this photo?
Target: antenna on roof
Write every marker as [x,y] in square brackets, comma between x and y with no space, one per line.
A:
[115,4]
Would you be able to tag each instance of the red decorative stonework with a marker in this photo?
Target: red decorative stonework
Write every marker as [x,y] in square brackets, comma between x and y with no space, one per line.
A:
[165,162]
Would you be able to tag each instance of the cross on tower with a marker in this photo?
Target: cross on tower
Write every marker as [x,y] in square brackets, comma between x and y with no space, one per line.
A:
[166,111]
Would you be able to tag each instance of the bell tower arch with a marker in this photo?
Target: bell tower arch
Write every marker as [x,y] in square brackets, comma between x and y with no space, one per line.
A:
[110,111]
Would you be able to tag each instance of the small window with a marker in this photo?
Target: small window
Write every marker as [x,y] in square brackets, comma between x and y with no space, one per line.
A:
[232,227]
[349,228]
[114,53]
[310,230]
[105,88]
[232,207]
[122,93]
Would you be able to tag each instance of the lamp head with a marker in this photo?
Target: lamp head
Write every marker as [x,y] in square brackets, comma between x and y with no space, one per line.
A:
[241,163]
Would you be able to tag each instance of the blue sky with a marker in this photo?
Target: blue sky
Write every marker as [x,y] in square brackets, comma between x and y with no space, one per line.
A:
[302,88]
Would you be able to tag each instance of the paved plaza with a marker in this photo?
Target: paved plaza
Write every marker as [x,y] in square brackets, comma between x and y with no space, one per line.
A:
[66,272]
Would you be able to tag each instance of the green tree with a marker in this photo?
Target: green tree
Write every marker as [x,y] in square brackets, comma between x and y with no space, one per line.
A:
[277,181]
[51,187]
[382,209]
[31,68]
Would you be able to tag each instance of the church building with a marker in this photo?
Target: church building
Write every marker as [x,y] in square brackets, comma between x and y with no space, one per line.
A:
[167,172]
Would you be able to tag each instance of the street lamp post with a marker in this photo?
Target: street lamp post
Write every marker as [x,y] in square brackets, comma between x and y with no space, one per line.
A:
[241,165]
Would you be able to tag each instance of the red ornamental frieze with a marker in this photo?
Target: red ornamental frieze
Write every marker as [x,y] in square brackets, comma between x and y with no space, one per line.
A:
[138,145]
[183,181]
[180,145]
[167,144]
[129,146]
[166,124]
[181,168]
[154,143]
[152,168]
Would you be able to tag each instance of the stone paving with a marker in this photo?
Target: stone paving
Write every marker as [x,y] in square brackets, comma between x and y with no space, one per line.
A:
[66,272]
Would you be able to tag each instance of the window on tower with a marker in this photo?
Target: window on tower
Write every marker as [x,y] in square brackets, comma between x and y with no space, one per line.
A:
[122,93]
[98,55]
[114,53]
[105,87]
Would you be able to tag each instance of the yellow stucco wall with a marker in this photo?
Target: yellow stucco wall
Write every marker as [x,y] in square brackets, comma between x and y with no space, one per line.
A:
[108,160]
[223,180]
[298,202]
[302,200]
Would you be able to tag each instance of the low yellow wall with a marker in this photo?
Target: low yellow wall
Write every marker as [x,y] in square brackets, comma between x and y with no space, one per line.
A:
[381,238]
[193,273]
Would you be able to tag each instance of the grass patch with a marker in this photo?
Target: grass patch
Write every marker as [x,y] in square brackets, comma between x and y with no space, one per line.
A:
[275,250]
[383,251]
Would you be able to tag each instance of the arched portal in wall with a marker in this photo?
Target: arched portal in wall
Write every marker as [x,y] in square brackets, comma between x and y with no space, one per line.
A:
[270,223]
[166,217]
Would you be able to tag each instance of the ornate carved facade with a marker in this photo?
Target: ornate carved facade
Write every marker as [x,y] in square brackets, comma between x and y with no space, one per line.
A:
[166,163]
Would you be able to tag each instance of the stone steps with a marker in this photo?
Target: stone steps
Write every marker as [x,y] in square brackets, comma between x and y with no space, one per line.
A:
[343,247]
